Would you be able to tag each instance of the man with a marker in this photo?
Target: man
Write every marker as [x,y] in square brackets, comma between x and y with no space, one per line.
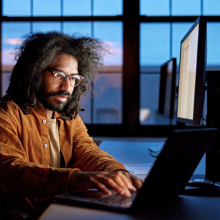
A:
[45,149]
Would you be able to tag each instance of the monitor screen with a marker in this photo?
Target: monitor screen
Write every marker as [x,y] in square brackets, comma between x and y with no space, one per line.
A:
[192,74]
[167,88]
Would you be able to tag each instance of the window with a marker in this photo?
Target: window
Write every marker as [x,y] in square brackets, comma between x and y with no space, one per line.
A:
[211,7]
[157,29]
[186,7]
[110,87]
[155,7]
[50,8]
[16,7]
[77,8]
[11,37]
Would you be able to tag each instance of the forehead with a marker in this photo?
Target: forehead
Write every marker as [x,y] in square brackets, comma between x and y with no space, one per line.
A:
[64,61]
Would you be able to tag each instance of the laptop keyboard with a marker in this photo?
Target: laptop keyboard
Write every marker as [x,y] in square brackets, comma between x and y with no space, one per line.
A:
[116,198]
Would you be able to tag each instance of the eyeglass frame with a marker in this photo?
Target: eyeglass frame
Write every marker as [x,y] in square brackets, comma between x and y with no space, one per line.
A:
[54,72]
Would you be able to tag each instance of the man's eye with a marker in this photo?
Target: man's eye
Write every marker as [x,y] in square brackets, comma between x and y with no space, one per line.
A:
[73,78]
[59,75]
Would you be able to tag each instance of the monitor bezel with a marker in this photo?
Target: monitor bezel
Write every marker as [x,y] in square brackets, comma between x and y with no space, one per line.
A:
[162,90]
[200,72]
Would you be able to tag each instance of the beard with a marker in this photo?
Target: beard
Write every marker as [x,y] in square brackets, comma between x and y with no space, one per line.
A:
[44,96]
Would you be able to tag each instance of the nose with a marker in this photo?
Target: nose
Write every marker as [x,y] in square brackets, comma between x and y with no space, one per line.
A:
[65,86]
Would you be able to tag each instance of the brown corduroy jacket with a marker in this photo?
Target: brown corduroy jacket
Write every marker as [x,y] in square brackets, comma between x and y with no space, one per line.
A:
[25,156]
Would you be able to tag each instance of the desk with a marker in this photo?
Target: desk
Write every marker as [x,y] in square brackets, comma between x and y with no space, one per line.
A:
[182,207]
[131,151]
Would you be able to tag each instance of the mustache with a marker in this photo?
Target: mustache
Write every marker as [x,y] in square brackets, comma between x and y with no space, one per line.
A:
[67,94]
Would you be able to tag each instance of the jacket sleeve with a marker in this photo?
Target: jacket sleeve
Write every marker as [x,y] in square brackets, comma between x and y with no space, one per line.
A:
[18,176]
[87,156]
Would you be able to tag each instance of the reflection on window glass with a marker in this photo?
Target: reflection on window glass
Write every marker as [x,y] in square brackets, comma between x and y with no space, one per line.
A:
[149,99]
[211,7]
[46,26]
[155,7]
[154,43]
[179,31]
[111,34]
[213,44]
[85,103]
[107,7]
[186,7]
[78,28]
[108,99]
[77,7]
[46,8]
[16,8]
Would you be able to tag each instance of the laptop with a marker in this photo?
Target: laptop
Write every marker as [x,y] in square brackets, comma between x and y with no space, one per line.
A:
[167,178]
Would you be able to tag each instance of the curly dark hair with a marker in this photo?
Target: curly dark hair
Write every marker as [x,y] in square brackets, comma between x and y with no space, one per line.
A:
[38,51]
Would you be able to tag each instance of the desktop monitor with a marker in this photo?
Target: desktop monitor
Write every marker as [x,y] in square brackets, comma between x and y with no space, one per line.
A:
[167,88]
[192,74]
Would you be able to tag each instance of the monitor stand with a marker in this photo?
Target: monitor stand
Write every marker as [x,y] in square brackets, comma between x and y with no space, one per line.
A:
[213,121]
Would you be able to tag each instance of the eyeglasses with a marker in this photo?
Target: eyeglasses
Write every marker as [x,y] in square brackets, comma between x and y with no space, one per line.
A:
[60,76]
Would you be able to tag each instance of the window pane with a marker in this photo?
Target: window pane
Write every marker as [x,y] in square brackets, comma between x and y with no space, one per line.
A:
[79,28]
[85,103]
[107,7]
[179,31]
[12,33]
[186,7]
[16,8]
[213,44]
[211,7]
[5,82]
[77,7]
[154,7]
[46,8]
[46,26]
[111,34]
[108,90]
[154,43]
[108,99]
[149,99]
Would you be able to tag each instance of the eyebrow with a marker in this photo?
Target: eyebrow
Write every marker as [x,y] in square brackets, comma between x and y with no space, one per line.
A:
[56,69]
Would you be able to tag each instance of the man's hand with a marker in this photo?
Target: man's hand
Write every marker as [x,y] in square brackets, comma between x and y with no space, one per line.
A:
[135,180]
[121,182]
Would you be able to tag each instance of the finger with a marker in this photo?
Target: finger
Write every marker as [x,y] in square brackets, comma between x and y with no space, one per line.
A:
[137,182]
[106,181]
[122,181]
[130,183]
[101,187]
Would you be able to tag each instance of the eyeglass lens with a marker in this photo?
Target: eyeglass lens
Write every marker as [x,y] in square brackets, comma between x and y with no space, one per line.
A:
[60,77]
